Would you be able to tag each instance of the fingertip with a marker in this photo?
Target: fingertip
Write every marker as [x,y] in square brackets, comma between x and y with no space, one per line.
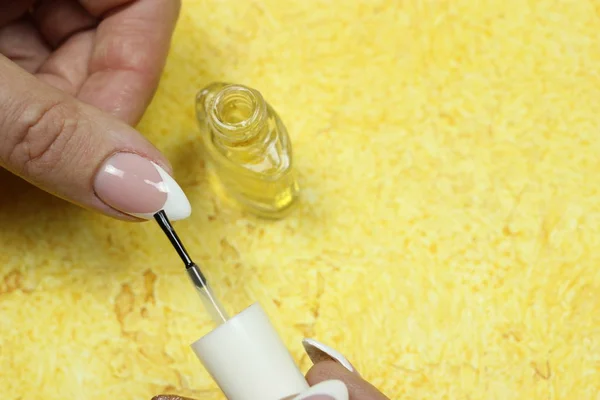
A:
[328,390]
[137,186]
[318,352]
[324,371]
[358,388]
[169,397]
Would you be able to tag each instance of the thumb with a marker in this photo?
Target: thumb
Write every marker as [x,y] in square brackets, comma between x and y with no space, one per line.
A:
[358,388]
[80,154]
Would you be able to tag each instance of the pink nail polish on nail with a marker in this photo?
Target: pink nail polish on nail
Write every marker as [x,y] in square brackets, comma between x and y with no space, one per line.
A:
[137,186]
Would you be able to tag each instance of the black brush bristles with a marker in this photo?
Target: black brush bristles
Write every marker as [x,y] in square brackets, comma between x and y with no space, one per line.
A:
[167,228]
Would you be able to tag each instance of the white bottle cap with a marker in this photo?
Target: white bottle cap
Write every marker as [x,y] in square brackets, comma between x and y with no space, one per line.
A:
[248,360]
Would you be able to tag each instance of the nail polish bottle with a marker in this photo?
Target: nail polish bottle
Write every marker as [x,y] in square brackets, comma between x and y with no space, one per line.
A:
[248,360]
[248,150]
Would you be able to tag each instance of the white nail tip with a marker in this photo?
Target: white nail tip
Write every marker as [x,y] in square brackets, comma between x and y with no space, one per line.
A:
[318,352]
[177,206]
[333,388]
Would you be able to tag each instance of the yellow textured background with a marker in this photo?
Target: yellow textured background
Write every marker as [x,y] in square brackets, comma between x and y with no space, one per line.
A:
[448,237]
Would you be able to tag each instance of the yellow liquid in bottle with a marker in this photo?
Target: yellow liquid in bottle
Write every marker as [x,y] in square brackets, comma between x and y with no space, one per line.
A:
[248,148]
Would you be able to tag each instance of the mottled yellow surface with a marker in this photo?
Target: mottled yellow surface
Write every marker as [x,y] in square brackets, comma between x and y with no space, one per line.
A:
[448,238]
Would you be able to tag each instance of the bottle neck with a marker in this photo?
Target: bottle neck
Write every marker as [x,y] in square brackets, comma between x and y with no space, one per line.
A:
[237,115]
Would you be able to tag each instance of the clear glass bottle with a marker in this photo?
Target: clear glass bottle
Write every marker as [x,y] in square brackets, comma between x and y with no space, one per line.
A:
[249,153]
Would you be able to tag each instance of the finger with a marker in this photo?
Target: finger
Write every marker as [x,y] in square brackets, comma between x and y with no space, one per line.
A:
[11,10]
[358,388]
[169,397]
[326,390]
[318,352]
[57,20]
[66,68]
[128,58]
[333,389]
[21,42]
[80,154]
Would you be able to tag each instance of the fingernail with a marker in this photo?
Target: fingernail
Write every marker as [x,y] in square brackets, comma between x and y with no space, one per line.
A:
[169,397]
[138,187]
[318,352]
[327,390]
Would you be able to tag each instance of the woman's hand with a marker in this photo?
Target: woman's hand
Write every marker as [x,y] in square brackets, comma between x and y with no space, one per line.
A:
[330,373]
[75,75]
[358,388]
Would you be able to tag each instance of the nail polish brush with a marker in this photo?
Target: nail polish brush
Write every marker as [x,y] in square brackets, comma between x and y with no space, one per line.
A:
[244,354]
[212,305]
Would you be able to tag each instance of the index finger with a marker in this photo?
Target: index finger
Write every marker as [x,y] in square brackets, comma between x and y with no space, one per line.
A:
[131,46]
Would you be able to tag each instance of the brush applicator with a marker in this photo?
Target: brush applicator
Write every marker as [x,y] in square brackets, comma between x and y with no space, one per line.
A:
[244,354]
[211,304]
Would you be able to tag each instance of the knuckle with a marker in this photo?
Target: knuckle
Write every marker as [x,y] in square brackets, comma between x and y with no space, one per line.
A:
[41,136]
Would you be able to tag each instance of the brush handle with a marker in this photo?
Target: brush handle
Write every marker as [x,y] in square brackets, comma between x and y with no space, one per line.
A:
[212,305]
[209,300]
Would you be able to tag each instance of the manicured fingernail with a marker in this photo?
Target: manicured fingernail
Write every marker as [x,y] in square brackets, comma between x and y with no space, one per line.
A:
[169,397]
[327,390]
[139,187]
[318,352]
